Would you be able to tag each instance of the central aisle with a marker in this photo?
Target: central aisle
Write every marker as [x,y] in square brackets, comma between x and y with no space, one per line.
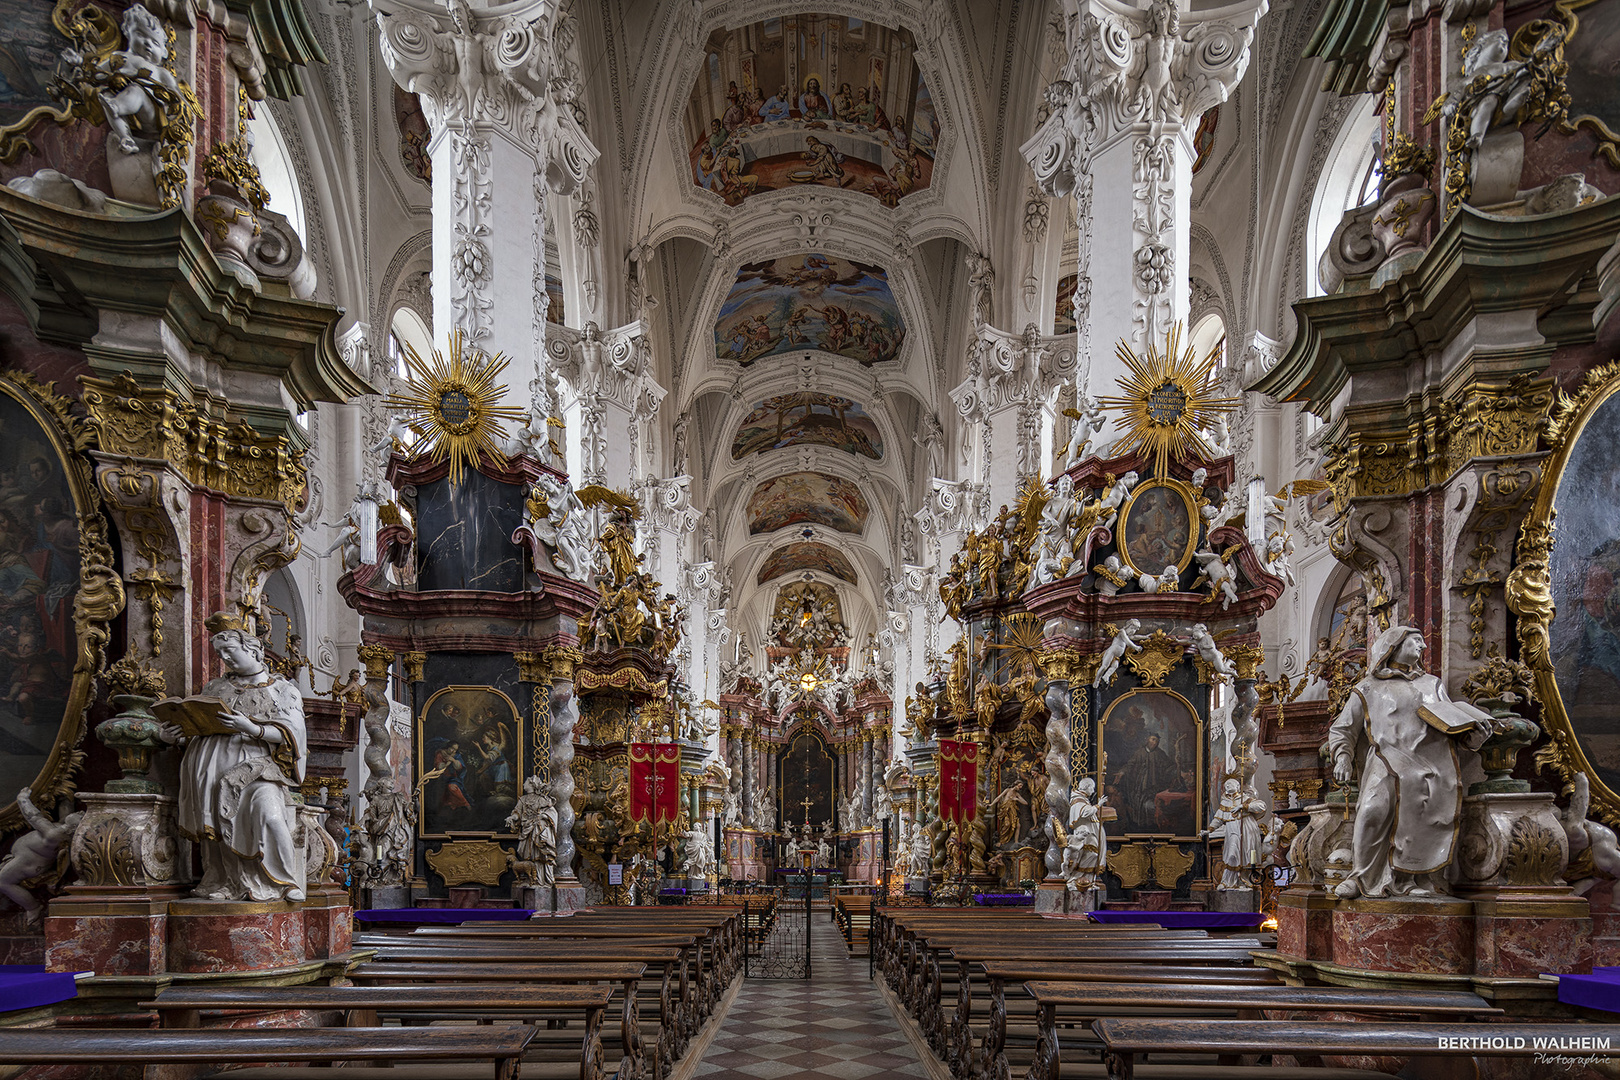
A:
[834,1024]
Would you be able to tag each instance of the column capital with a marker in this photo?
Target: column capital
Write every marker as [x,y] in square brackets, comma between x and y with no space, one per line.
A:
[501,71]
[1127,66]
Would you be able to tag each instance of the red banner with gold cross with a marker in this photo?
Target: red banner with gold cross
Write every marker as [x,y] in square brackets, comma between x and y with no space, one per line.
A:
[655,782]
[958,780]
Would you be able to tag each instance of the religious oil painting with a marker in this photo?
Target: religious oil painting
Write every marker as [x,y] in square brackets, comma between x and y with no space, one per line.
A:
[1158,527]
[469,760]
[807,555]
[1585,569]
[808,779]
[808,418]
[811,498]
[1593,55]
[810,100]
[802,302]
[39,576]
[1151,766]
[29,51]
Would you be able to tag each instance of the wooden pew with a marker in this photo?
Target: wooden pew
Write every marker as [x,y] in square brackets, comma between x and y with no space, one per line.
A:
[364,1006]
[1123,1039]
[677,1008]
[500,1047]
[1077,1004]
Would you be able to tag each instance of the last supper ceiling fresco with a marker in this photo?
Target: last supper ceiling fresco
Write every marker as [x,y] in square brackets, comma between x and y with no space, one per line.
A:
[810,100]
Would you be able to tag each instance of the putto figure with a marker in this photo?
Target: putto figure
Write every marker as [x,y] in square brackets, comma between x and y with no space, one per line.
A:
[1401,726]
[236,784]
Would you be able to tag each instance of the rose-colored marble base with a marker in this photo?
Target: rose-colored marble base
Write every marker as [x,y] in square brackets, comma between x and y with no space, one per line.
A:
[1305,924]
[1434,937]
[328,924]
[213,935]
[127,936]
[1605,925]
[1521,937]
[21,942]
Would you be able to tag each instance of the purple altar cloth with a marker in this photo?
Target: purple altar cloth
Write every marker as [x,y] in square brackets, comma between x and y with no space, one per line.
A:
[1003,899]
[441,915]
[1599,990]
[1184,920]
[28,986]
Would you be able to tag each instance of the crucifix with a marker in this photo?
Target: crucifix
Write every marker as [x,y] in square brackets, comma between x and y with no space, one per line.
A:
[805,802]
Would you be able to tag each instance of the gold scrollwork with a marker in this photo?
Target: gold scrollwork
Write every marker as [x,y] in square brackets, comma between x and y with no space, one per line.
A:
[99,598]
[156,424]
[1528,588]
[461,861]
[1160,652]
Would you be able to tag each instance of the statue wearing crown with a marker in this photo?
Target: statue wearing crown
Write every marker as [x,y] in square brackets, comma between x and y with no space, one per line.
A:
[245,749]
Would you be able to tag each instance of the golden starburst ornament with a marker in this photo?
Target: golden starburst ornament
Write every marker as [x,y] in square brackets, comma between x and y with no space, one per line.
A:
[1169,397]
[451,403]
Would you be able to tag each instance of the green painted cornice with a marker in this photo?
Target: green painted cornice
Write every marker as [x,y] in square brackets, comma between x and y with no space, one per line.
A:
[69,270]
[286,40]
[1478,266]
[1344,38]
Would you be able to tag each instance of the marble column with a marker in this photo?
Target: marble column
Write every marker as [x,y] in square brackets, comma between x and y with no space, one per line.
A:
[868,764]
[499,142]
[1118,139]
[747,754]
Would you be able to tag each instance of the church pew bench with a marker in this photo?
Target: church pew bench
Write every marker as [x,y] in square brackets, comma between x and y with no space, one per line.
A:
[677,1006]
[1123,1040]
[366,1006]
[723,929]
[413,1053]
[707,970]
[1072,1007]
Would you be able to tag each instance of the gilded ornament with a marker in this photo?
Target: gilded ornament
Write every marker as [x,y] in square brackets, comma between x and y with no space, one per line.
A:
[415,665]
[1159,654]
[480,861]
[377,659]
[451,402]
[1168,400]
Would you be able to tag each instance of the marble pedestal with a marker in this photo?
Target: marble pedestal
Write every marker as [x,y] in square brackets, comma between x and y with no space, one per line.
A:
[743,858]
[1234,900]
[388,896]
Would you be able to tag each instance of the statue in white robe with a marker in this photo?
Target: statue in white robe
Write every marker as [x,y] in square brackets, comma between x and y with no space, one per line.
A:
[1403,729]
[1241,821]
[236,789]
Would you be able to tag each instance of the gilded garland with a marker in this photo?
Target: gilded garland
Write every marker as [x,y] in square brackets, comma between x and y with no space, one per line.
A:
[1169,399]
[451,403]
[1565,586]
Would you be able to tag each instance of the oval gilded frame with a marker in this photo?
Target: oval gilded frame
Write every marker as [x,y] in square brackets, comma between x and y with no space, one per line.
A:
[1182,491]
[1529,586]
[99,597]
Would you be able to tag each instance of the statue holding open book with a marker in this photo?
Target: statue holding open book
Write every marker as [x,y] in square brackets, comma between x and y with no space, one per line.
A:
[1403,730]
[245,749]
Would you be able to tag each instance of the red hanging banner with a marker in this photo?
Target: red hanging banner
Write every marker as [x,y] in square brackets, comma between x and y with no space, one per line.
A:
[958,780]
[667,783]
[655,782]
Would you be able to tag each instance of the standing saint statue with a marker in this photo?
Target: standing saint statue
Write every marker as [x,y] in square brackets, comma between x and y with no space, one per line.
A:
[535,819]
[1403,728]
[236,786]
[1241,821]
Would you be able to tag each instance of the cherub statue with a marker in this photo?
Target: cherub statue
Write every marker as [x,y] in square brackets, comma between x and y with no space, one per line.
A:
[1279,555]
[139,87]
[394,438]
[1203,643]
[1318,672]
[535,820]
[1165,581]
[1114,497]
[1112,575]
[1124,640]
[34,853]
[1221,575]
[528,440]
[1088,424]
[1584,835]
[1218,436]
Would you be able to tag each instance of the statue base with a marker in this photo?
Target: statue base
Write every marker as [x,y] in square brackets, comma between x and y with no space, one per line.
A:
[1051,896]
[388,896]
[864,866]
[172,934]
[1234,900]
[744,857]
[21,942]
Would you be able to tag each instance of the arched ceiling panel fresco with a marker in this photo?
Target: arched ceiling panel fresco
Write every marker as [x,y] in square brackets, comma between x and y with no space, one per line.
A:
[807,498]
[807,418]
[807,555]
[811,99]
[810,301]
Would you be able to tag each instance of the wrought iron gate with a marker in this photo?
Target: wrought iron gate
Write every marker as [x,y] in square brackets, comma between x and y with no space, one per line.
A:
[776,933]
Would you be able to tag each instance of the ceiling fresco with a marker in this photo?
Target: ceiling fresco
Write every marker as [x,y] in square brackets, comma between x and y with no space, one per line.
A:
[807,555]
[807,418]
[811,100]
[803,302]
[807,498]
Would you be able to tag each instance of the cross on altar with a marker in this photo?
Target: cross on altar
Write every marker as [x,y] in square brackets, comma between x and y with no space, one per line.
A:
[805,802]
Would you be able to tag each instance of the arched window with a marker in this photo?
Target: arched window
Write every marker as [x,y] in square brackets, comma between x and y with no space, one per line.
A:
[1349,180]
[407,329]
[1210,333]
[276,169]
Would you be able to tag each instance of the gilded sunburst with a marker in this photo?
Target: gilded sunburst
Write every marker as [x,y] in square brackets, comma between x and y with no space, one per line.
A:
[451,403]
[1169,397]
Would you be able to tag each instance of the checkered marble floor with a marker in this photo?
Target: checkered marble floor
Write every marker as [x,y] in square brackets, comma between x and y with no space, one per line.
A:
[834,1024]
